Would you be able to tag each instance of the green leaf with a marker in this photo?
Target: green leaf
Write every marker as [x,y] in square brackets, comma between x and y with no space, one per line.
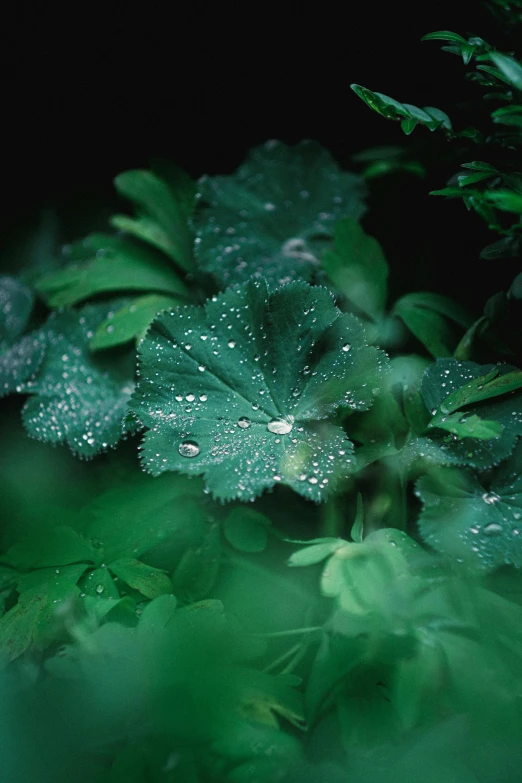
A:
[151,582]
[198,569]
[74,400]
[480,165]
[357,527]
[132,519]
[431,117]
[99,584]
[409,125]
[16,304]
[221,393]
[163,205]
[59,546]
[508,247]
[508,115]
[26,623]
[509,67]
[130,321]
[444,35]
[464,426]
[484,387]
[443,380]
[471,179]
[102,263]
[358,268]
[426,315]
[474,521]
[315,553]
[246,529]
[275,215]
[42,576]
[506,200]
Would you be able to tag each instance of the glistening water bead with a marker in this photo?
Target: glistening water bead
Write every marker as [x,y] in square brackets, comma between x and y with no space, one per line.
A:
[243,422]
[280,426]
[189,448]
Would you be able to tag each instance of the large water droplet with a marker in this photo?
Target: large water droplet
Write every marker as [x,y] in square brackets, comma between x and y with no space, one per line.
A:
[99,589]
[493,529]
[281,426]
[346,347]
[243,422]
[490,497]
[189,448]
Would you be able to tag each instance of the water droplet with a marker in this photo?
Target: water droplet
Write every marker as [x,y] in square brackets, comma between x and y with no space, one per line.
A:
[281,426]
[99,589]
[201,368]
[203,398]
[190,398]
[243,422]
[493,529]
[231,344]
[490,497]
[346,347]
[189,448]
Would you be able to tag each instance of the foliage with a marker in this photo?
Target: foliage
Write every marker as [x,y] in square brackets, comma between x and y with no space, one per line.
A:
[316,573]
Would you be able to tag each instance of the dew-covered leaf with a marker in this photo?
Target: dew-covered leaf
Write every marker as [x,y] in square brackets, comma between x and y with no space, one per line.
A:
[246,529]
[18,362]
[443,381]
[16,304]
[20,356]
[103,263]
[464,426]
[42,576]
[99,583]
[164,200]
[241,389]
[151,582]
[492,383]
[74,399]
[427,314]
[275,215]
[471,519]
[358,268]
[130,321]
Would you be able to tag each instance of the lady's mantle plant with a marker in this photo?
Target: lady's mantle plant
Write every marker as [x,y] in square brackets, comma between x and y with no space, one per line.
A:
[240,330]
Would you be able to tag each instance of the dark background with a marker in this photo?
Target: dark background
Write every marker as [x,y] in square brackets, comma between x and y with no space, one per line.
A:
[88,96]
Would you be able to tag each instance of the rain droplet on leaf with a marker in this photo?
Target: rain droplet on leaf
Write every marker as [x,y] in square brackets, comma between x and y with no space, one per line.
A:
[244,423]
[189,448]
[280,426]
